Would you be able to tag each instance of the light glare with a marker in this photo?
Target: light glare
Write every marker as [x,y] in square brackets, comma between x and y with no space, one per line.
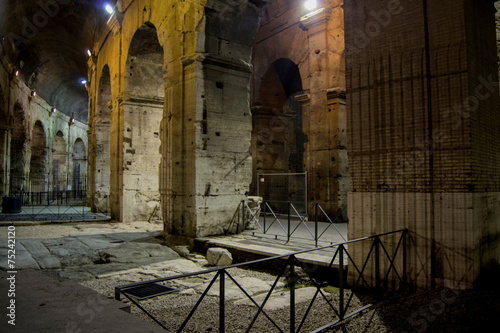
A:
[83,82]
[310,4]
[109,9]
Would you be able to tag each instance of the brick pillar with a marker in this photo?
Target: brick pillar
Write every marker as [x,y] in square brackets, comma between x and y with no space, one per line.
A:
[422,118]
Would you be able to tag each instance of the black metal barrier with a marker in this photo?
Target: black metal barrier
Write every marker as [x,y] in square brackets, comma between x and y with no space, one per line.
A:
[378,256]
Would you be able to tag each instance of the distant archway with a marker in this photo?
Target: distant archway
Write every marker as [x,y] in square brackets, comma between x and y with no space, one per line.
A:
[59,172]
[38,174]
[79,166]
[4,132]
[102,124]
[18,151]
[277,137]
[143,112]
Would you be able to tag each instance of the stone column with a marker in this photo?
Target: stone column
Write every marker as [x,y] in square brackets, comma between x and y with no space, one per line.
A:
[423,120]
[324,154]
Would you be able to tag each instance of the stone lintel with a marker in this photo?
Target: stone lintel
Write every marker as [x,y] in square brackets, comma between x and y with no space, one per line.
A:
[315,18]
[303,98]
[208,59]
[336,92]
[127,99]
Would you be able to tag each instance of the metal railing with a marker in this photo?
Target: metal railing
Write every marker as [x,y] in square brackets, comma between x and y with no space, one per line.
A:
[289,219]
[382,264]
[64,205]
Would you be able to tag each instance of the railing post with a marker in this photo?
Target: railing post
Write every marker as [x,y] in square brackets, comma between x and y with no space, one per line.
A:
[222,310]
[242,215]
[341,282]
[405,282]
[289,208]
[316,223]
[292,281]
[265,212]
[377,265]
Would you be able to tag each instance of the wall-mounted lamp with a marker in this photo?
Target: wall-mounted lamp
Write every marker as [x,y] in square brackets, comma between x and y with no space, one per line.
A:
[109,9]
[53,110]
[310,4]
[84,82]
[89,53]
[16,73]
[71,121]
[33,93]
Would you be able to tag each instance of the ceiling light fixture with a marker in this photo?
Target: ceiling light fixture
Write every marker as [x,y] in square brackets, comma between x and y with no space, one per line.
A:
[310,4]
[109,9]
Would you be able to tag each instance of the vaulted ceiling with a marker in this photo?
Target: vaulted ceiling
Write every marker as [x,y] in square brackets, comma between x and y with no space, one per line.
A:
[46,41]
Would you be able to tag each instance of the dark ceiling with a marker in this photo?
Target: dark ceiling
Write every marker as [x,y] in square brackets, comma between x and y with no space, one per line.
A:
[47,41]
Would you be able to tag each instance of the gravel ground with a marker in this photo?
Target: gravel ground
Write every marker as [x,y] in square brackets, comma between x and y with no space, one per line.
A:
[440,310]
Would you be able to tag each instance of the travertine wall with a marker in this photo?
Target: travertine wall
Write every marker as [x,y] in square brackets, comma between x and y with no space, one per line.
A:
[422,103]
[29,132]
[205,128]
[299,55]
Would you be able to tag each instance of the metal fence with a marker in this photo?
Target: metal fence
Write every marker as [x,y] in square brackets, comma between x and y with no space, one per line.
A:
[286,219]
[386,264]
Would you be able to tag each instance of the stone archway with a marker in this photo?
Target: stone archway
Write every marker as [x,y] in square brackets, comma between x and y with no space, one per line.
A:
[18,151]
[4,139]
[38,159]
[79,166]
[59,171]
[277,136]
[100,168]
[142,115]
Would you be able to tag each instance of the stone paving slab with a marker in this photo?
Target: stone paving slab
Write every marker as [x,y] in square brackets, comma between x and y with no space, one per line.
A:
[41,254]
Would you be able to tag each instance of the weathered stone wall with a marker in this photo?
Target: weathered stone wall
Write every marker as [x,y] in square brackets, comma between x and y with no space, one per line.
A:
[422,117]
[314,43]
[205,129]
[28,130]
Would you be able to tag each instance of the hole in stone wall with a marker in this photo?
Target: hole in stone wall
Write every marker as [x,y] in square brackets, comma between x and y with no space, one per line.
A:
[217,133]
[317,51]
[219,85]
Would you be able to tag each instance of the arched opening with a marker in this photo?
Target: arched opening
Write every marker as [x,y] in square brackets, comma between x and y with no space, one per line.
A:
[102,130]
[143,113]
[277,136]
[4,132]
[38,159]
[79,166]
[59,171]
[18,151]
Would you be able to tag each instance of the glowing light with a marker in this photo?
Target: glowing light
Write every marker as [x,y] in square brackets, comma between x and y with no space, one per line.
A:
[83,81]
[33,93]
[310,4]
[89,53]
[53,110]
[16,73]
[109,9]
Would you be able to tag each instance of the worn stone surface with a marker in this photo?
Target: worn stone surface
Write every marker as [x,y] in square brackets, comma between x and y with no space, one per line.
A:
[217,256]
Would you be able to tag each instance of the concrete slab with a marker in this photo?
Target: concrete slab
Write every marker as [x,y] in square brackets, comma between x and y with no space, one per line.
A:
[41,254]
[44,305]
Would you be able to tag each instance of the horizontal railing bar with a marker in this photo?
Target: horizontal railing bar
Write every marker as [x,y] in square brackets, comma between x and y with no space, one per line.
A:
[215,269]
